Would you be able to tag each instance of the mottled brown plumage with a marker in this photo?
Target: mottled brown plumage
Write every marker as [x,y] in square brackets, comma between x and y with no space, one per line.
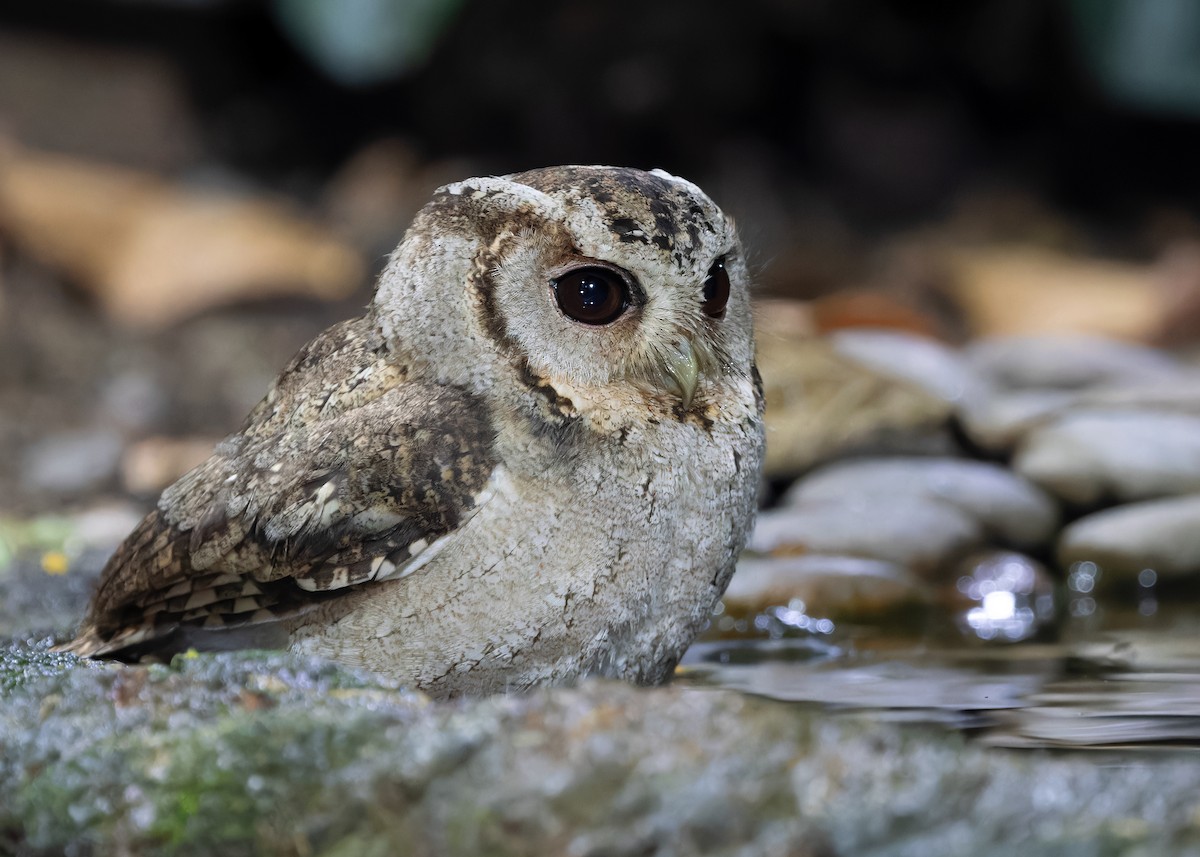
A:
[467,487]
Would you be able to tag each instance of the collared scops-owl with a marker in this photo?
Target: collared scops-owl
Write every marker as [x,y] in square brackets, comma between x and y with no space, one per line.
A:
[534,458]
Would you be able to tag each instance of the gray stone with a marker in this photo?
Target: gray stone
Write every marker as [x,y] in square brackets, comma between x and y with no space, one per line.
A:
[134,400]
[72,462]
[998,420]
[1162,535]
[272,754]
[919,534]
[1090,456]
[927,363]
[104,526]
[1009,506]
[1180,394]
[1067,362]
[840,587]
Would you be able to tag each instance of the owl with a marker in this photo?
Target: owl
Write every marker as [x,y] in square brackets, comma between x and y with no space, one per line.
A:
[535,457]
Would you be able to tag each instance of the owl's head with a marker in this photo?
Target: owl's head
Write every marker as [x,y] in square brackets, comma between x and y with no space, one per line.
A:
[599,283]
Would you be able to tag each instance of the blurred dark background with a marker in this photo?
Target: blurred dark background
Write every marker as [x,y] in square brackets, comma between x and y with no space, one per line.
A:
[189,189]
[886,109]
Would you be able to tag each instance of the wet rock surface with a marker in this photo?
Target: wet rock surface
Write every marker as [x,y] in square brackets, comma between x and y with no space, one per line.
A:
[1160,535]
[253,754]
[839,587]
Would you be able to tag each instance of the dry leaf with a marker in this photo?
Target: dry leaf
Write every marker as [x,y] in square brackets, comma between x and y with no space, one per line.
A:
[153,252]
[871,308]
[1025,290]
[821,405]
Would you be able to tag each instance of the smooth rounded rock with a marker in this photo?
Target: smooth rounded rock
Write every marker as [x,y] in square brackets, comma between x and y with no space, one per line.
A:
[1009,506]
[71,462]
[835,586]
[1087,457]
[997,421]
[1067,362]
[919,534]
[925,362]
[1177,394]
[1162,535]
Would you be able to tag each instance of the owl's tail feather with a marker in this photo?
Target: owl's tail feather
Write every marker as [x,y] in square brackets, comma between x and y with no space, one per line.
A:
[90,643]
[147,643]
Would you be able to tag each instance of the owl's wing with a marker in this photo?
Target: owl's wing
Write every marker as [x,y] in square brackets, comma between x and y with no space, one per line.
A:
[271,525]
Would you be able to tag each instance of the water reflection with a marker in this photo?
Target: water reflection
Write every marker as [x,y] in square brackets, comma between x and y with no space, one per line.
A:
[1111,680]
[1082,577]
[1082,607]
[779,621]
[1147,601]
[775,622]
[1011,597]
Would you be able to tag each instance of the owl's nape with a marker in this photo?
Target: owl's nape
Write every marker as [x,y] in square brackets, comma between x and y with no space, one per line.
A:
[534,458]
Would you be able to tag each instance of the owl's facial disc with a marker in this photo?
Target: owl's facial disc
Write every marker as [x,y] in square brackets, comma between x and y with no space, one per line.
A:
[607,285]
[597,295]
[680,363]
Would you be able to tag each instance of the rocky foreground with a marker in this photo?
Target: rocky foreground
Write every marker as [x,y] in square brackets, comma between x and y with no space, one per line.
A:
[268,754]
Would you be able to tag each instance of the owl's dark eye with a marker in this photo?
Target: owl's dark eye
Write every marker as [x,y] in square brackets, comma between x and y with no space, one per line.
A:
[591,295]
[716,290]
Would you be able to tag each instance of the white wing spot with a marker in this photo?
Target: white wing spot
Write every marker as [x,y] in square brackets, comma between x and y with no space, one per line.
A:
[328,510]
[381,567]
[325,492]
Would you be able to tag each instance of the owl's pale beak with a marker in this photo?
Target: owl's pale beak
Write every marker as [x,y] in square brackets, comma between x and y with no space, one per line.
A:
[682,371]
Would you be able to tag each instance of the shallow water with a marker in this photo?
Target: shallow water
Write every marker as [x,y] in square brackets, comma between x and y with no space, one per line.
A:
[1112,678]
